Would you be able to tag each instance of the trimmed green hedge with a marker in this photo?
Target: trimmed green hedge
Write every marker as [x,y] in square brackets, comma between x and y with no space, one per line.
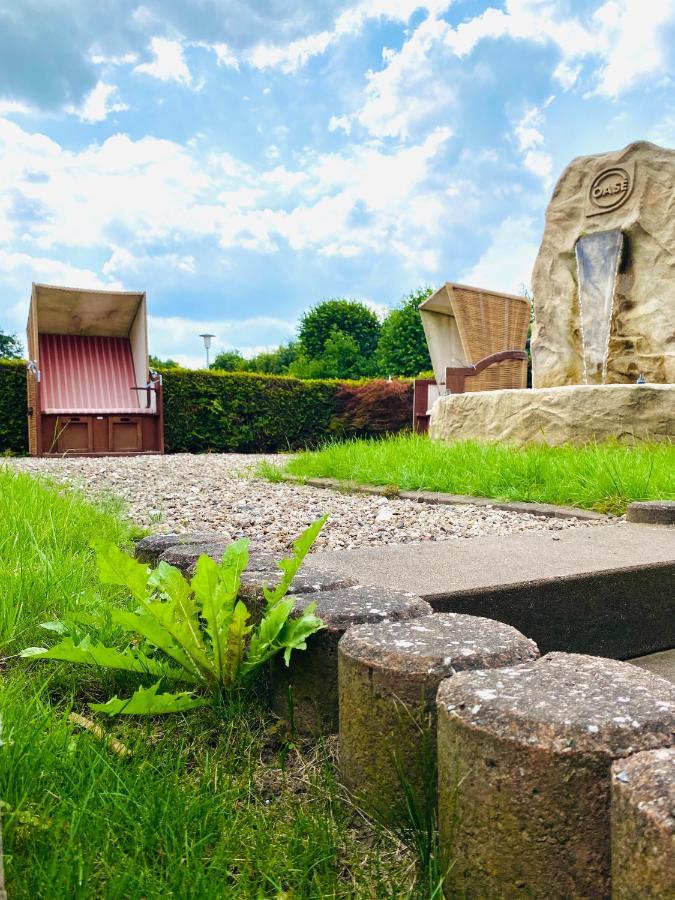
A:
[13,403]
[226,412]
[239,411]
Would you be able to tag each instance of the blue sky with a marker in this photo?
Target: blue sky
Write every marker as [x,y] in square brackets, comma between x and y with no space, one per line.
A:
[241,161]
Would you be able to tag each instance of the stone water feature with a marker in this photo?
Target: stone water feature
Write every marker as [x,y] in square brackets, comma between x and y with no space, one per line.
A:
[603,345]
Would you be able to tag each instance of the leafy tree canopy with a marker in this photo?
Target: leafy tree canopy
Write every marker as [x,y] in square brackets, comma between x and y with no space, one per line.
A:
[230,361]
[347,316]
[402,348]
[157,363]
[10,346]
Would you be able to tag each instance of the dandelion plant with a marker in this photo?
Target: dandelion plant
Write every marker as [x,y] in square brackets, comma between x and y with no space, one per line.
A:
[190,633]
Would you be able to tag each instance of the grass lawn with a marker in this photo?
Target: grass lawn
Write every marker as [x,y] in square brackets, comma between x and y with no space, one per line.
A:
[603,477]
[215,803]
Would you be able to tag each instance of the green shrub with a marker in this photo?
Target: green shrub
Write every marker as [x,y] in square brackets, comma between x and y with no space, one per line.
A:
[241,412]
[237,412]
[372,408]
[13,403]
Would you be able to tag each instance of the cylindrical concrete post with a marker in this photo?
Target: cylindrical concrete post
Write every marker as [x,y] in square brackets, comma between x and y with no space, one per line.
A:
[305,693]
[643,826]
[389,674]
[524,758]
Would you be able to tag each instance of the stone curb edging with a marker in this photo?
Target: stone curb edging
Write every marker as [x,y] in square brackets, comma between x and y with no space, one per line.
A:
[545,510]
[652,512]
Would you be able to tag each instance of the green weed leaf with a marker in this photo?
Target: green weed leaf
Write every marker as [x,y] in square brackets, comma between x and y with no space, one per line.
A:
[117,567]
[89,653]
[290,565]
[146,701]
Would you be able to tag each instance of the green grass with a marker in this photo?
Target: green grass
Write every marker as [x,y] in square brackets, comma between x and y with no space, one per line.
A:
[603,477]
[216,803]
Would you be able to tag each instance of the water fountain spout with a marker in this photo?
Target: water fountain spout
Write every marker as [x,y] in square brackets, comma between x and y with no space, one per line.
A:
[598,258]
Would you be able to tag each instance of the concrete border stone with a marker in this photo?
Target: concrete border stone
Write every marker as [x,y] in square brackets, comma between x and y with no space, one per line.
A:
[524,771]
[389,675]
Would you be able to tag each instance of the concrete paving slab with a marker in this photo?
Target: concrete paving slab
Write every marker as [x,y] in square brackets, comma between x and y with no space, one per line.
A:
[608,590]
[662,664]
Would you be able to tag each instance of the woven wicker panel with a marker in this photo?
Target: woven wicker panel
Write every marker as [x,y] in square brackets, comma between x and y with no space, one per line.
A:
[489,322]
[511,373]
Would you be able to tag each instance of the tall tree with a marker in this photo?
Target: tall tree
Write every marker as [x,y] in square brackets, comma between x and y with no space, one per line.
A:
[348,316]
[10,346]
[402,348]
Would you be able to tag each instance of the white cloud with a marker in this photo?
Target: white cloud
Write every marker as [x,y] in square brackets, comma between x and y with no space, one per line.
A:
[225,55]
[366,199]
[122,260]
[530,141]
[124,59]
[98,104]
[343,122]
[170,335]
[566,75]
[168,62]
[19,270]
[632,32]
[411,86]
[10,107]
[507,263]
[292,56]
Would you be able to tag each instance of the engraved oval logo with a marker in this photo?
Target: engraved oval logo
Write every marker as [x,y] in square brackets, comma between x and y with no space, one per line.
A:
[610,189]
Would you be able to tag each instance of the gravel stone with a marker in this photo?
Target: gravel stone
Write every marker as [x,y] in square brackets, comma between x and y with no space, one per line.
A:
[218,493]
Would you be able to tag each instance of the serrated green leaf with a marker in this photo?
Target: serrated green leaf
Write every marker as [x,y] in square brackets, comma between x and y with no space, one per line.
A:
[178,615]
[117,567]
[235,644]
[143,624]
[263,645]
[290,565]
[296,631]
[88,653]
[216,586]
[147,702]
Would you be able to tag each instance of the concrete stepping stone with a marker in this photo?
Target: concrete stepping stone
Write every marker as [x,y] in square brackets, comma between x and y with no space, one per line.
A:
[524,756]
[643,825]
[605,590]
[652,512]
[306,692]
[389,675]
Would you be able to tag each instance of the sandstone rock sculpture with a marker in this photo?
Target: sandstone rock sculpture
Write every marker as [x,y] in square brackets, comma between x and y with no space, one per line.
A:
[632,191]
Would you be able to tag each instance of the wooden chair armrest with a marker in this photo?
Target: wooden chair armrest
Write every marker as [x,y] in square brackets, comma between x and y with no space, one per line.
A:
[455,375]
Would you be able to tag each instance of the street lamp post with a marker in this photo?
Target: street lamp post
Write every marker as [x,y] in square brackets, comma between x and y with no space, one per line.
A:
[207,343]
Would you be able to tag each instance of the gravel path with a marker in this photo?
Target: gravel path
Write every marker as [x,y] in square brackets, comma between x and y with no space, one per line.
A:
[219,493]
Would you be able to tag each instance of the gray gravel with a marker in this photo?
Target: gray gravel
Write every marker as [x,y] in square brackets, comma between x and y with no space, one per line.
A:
[219,493]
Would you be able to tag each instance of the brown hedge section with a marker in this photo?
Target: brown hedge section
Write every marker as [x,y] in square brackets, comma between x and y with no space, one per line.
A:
[241,412]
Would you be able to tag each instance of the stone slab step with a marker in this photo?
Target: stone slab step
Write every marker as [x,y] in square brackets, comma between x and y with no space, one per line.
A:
[606,591]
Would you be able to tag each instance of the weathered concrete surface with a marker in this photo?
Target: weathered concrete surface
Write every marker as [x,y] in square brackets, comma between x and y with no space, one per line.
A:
[607,590]
[662,664]
[643,826]
[306,692]
[558,415]
[307,581]
[150,549]
[655,512]
[524,757]
[642,333]
[389,674]
[185,556]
